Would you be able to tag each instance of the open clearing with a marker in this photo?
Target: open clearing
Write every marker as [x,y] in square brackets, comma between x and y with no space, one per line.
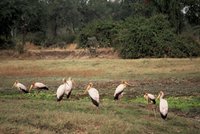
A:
[40,113]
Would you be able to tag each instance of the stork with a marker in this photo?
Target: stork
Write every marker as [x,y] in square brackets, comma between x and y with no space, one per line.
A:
[20,87]
[69,87]
[150,98]
[151,102]
[39,86]
[61,90]
[163,106]
[120,89]
[93,93]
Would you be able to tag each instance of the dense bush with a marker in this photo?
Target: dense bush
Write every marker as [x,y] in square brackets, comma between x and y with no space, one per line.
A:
[140,37]
[185,47]
[103,31]
[153,37]
[37,38]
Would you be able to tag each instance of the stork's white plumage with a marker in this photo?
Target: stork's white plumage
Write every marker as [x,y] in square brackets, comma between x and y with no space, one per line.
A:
[163,106]
[93,93]
[61,90]
[39,86]
[119,90]
[20,87]
[150,98]
[69,86]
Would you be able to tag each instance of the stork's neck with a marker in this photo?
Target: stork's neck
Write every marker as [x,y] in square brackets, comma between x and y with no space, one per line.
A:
[162,95]
[69,82]
[124,85]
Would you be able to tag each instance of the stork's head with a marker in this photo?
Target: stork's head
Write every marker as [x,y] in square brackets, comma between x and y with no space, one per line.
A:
[64,80]
[126,83]
[69,78]
[72,80]
[160,95]
[88,87]
[146,95]
[32,85]
[15,84]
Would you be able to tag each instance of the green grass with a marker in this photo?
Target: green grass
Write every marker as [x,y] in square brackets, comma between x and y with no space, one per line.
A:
[183,103]
[40,113]
[44,115]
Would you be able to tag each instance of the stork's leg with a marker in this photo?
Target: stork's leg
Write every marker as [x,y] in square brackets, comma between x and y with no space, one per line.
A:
[38,91]
[148,108]
[19,89]
[121,95]
[154,110]
[97,110]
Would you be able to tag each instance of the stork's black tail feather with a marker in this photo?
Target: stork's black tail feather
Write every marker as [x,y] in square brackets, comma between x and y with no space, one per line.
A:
[69,94]
[60,98]
[95,102]
[116,97]
[154,101]
[163,116]
[25,91]
[45,88]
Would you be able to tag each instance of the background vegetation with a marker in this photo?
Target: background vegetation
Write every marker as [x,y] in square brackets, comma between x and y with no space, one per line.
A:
[135,28]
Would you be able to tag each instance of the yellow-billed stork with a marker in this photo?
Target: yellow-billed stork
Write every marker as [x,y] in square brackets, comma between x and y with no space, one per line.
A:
[69,87]
[120,89]
[151,102]
[150,98]
[39,86]
[163,106]
[93,93]
[61,90]
[20,87]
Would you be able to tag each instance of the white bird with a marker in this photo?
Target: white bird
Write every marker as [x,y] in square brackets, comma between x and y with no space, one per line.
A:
[151,102]
[150,98]
[163,106]
[39,86]
[61,90]
[93,93]
[69,87]
[20,87]
[120,89]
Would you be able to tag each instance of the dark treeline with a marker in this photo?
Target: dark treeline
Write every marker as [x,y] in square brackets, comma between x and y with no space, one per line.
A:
[135,28]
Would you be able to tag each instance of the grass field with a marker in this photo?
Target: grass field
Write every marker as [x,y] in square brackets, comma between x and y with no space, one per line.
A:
[40,113]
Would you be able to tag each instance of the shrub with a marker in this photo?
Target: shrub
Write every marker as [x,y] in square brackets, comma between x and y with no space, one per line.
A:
[185,47]
[36,38]
[152,37]
[103,31]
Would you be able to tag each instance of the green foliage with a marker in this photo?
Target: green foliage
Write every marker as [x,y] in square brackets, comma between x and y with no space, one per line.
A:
[60,40]
[37,38]
[185,47]
[153,37]
[134,27]
[104,32]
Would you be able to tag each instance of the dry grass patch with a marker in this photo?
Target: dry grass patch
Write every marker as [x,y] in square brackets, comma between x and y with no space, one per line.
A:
[38,71]
[102,68]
